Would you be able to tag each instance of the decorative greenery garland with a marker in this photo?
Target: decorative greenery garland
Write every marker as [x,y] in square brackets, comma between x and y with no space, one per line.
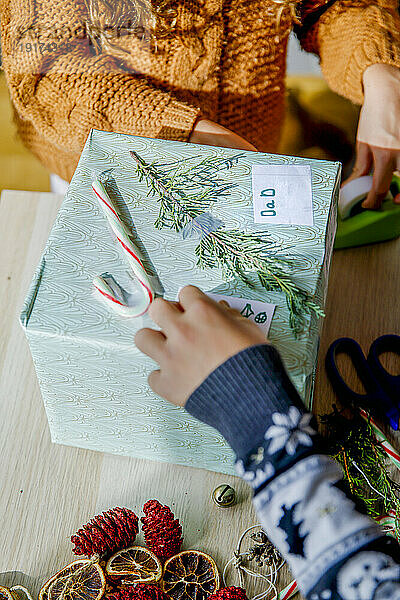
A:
[353,444]
[185,191]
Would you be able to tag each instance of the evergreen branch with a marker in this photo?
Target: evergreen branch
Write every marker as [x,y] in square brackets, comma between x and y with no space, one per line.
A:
[184,193]
[352,443]
[238,253]
[177,207]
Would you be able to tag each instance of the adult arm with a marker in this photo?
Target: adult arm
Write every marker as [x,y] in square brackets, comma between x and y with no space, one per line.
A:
[74,92]
[349,36]
[358,42]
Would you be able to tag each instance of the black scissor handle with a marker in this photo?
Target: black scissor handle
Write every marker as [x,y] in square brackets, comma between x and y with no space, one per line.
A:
[385,343]
[377,399]
[352,349]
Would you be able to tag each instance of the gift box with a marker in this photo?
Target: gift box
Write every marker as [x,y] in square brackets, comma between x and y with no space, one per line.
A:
[92,378]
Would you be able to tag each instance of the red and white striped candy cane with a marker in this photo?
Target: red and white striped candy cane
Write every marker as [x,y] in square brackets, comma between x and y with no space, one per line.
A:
[388,522]
[289,591]
[101,282]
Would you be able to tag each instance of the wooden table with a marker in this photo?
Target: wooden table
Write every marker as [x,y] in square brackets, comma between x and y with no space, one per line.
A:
[48,491]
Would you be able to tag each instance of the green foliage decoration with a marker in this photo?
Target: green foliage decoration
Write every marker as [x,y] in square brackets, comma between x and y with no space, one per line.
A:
[187,189]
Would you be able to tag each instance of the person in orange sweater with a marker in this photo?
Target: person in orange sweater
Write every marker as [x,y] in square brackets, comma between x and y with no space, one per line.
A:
[203,71]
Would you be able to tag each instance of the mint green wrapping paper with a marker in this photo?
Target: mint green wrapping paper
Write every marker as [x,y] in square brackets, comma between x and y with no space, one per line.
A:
[93,380]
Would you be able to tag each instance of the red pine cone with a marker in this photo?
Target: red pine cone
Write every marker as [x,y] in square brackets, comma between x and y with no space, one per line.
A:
[229,593]
[117,528]
[162,532]
[141,591]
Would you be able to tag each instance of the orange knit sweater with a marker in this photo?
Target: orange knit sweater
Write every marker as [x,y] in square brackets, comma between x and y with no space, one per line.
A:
[76,64]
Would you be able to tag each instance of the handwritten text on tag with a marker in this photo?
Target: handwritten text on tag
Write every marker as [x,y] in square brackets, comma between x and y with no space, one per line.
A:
[282,194]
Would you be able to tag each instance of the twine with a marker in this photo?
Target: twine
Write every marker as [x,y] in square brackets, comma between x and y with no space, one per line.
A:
[240,557]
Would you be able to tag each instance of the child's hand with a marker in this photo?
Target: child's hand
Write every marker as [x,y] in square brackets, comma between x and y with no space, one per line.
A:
[197,335]
[208,132]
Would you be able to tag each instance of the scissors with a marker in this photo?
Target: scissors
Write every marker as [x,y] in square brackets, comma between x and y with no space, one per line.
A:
[382,397]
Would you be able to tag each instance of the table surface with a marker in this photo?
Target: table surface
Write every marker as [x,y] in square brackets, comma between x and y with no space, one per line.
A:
[48,491]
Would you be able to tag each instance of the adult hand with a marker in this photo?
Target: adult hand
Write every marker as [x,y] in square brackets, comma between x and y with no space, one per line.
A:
[197,335]
[378,135]
[208,132]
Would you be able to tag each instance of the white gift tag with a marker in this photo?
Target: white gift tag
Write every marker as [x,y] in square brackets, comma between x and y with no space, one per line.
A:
[282,194]
[259,312]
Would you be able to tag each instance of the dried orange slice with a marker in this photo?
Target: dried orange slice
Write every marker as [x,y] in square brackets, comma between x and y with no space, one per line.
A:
[80,580]
[5,594]
[44,589]
[135,564]
[17,592]
[190,575]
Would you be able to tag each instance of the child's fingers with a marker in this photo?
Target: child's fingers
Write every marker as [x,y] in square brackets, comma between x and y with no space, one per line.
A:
[232,311]
[224,303]
[164,313]
[190,294]
[151,343]
[155,382]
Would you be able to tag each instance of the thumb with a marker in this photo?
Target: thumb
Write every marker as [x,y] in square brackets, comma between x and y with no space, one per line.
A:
[363,162]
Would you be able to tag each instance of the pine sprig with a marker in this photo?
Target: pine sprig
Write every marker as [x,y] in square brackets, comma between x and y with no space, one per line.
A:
[238,253]
[184,192]
[177,186]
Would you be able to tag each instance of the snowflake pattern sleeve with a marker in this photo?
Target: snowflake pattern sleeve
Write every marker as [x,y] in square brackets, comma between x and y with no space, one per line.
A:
[288,438]
[334,551]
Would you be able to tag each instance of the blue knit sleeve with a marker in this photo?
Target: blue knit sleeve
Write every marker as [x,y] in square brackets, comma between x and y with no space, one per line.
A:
[334,551]
[241,396]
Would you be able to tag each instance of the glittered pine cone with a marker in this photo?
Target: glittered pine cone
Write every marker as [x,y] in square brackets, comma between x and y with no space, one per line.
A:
[229,593]
[162,532]
[125,593]
[106,533]
[141,591]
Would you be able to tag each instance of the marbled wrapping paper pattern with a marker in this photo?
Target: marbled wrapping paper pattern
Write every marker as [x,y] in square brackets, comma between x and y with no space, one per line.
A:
[93,380]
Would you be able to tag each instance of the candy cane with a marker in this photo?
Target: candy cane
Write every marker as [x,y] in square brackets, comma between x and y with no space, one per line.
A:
[389,523]
[289,591]
[386,520]
[386,446]
[102,282]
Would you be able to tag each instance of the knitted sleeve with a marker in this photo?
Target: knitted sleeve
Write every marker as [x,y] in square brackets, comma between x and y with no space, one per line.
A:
[349,36]
[65,88]
[334,551]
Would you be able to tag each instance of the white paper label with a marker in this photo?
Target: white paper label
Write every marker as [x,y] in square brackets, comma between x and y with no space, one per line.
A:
[282,194]
[259,312]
